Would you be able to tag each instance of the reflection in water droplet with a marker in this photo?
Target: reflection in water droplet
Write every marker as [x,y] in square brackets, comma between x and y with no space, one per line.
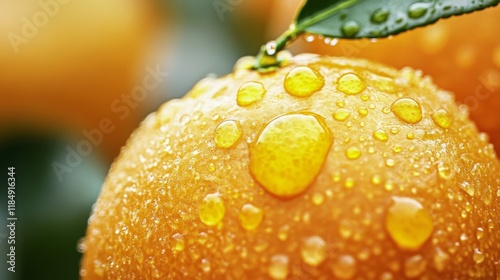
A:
[211,210]
[350,83]
[380,15]
[418,10]
[442,118]
[409,224]
[281,169]
[303,81]
[250,93]
[227,134]
[407,110]
[250,216]
[278,267]
[350,28]
[313,251]
[414,266]
[344,267]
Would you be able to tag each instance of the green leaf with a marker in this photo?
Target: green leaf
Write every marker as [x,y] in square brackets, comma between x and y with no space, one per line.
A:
[377,18]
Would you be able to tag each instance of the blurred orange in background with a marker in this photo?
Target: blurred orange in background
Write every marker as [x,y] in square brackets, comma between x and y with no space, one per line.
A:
[461,54]
[64,63]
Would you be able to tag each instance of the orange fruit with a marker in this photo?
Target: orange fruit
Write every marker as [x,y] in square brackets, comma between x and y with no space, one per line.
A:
[327,168]
[68,64]
[461,54]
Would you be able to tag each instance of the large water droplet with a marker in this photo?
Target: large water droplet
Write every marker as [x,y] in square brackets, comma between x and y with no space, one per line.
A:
[409,224]
[290,152]
[344,267]
[350,83]
[250,216]
[418,10]
[380,15]
[407,109]
[227,134]
[211,210]
[250,93]
[313,251]
[442,118]
[278,267]
[303,81]
[350,28]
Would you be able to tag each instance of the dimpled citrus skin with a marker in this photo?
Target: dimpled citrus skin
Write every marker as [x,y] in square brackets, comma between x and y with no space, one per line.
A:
[177,206]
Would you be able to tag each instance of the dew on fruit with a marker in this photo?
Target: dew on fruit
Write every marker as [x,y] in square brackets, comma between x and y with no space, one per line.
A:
[212,209]
[353,153]
[202,237]
[227,134]
[442,118]
[205,265]
[350,84]
[318,198]
[380,135]
[414,266]
[362,111]
[407,110]
[344,267]
[309,38]
[479,233]
[349,183]
[250,216]
[271,47]
[341,114]
[350,28]
[390,162]
[313,251]
[376,179]
[444,170]
[468,188]
[394,130]
[478,256]
[410,136]
[380,15]
[289,153]
[418,10]
[249,93]
[440,259]
[278,267]
[178,242]
[303,81]
[409,224]
[283,232]
[331,41]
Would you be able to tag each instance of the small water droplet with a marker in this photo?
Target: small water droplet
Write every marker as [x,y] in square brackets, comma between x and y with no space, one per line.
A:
[380,15]
[178,242]
[81,246]
[250,216]
[407,110]
[390,162]
[349,183]
[444,170]
[350,84]
[442,118]
[440,259]
[227,134]
[271,48]
[205,265]
[380,135]
[376,179]
[414,266]
[318,198]
[249,93]
[278,267]
[409,224]
[468,188]
[353,153]
[479,233]
[344,267]
[285,172]
[350,28]
[303,81]
[341,114]
[418,10]
[212,209]
[283,232]
[310,38]
[362,111]
[478,256]
[410,136]
[394,130]
[202,237]
[313,251]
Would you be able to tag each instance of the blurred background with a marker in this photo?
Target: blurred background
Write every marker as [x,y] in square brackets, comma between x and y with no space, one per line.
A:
[77,76]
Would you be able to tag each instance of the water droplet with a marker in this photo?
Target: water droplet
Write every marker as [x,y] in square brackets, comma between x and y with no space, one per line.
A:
[341,114]
[227,134]
[380,15]
[303,81]
[178,242]
[283,232]
[468,188]
[414,266]
[350,28]
[286,171]
[389,186]
[390,162]
[350,83]
[444,170]
[81,246]
[211,210]
[407,110]
[478,256]
[318,198]
[442,118]
[211,167]
[409,224]
[310,38]
[271,48]
[376,179]
[344,267]
[394,130]
[362,111]
[440,259]
[278,267]
[479,233]
[202,237]
[250,216]
[349,183]
[249,93]
[205,265]
[386,110]
[410,136]
[353,153]
[418,10]
[380,135]
[313,251]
